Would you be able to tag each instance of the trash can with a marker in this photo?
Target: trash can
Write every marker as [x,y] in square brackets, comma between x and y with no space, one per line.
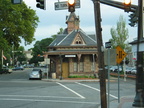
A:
[53,75]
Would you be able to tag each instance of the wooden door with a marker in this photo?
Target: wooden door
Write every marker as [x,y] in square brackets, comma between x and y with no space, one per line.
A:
[65,70]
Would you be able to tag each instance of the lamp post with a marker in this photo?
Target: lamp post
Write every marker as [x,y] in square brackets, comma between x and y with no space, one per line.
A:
[13,56]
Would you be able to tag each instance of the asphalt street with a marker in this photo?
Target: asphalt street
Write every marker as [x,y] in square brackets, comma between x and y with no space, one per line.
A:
[16,91]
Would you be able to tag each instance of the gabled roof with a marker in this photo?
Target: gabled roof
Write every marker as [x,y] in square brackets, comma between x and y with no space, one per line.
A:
[67,39]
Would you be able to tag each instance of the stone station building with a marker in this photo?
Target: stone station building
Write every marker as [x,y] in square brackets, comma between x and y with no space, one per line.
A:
[73,52]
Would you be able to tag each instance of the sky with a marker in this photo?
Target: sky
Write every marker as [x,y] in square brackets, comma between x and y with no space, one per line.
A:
[52,20]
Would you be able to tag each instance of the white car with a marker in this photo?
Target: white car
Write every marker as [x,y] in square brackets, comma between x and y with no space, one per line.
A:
[134,71]
[35,74]
[129,70]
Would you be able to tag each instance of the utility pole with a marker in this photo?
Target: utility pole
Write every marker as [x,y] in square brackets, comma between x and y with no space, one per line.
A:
[100,49]
[139,98]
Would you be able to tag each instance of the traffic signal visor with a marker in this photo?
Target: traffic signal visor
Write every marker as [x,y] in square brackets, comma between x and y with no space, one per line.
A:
[41,4]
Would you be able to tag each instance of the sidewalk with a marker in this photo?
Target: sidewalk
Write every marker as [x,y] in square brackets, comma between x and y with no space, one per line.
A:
[125,102]
[76,80]
[71,80]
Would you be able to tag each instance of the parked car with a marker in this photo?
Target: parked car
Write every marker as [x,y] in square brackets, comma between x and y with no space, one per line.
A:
[5,70]
[18,68]
[115,69]
[134,71]
[128,70]
[35,74]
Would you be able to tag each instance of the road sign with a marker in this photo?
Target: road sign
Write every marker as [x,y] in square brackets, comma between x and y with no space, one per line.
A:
[16,1]
[108,44]
[120,54]
[64,5]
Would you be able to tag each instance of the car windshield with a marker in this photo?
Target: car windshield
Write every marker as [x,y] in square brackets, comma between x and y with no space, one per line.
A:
[35,72]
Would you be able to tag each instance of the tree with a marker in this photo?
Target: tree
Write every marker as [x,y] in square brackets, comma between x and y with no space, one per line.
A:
[120,35]
[41,46]
[19,54]
[17,22]
[60,32]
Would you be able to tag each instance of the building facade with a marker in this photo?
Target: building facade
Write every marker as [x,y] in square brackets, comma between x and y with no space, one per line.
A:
[134,49]
[73,52]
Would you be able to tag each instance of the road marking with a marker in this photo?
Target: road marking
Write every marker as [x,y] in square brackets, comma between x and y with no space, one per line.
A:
[71,90]
[37,100]
[36,96]
[95,89]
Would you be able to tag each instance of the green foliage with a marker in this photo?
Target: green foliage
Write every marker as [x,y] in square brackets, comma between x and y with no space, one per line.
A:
[20,55]
[75,76]
[41,46]
[120,35]
[60,32]
[17,21]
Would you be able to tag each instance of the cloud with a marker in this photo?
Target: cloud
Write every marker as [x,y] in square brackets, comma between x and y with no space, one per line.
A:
[46,31]
[51,21]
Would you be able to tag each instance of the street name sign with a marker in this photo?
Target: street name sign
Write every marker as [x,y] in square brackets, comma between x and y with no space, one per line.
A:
[108,45]
[64,5]
[16,1]
[120,54]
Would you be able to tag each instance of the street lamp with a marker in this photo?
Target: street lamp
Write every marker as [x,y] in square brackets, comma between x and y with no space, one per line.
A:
[13,55]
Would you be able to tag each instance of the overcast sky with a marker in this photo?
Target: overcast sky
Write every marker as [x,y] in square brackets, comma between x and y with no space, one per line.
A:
[51,20]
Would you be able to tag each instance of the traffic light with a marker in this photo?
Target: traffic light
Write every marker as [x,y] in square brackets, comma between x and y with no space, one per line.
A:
[71,5]
[41,4]
[133,18]
[127,5]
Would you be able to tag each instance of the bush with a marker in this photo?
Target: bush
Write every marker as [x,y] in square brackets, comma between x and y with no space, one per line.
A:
[81,76]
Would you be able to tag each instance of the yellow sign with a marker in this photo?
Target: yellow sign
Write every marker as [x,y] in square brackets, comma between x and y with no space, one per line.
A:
[120,54]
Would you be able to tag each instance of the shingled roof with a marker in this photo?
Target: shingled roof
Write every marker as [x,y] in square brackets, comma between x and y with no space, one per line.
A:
[67,39]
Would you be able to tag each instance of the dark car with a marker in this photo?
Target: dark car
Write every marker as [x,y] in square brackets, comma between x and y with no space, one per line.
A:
[5,70]
[35,74]
[18,68]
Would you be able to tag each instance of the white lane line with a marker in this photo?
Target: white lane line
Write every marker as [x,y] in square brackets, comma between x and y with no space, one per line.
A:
[95,89]
[37,100]
[71,90]
[36,96]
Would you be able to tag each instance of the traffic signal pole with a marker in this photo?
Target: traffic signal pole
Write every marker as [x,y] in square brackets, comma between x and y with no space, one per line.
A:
[139,98]
[100,48]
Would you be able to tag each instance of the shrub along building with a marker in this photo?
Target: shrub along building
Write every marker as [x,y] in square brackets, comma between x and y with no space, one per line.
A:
[73,52]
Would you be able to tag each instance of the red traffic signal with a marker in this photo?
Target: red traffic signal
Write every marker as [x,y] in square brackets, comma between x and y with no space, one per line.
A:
[71,5]
[127,5]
